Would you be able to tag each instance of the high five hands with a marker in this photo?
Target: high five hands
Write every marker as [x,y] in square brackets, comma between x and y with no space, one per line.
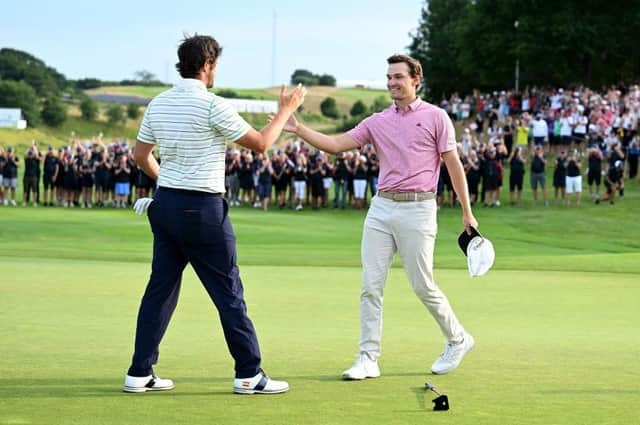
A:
[291,101]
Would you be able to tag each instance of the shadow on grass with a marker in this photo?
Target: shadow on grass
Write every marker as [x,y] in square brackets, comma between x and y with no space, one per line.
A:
[107,387]
[419,392]
[100,387]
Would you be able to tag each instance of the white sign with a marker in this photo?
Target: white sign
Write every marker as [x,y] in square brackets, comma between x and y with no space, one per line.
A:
[254,106]
[12,118]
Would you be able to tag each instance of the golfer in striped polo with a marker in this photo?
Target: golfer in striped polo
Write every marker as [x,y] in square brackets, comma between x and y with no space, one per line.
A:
[188,215]
[411,138]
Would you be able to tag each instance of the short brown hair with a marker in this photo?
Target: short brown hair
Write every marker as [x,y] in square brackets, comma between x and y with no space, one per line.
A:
[194,52]
[415,69]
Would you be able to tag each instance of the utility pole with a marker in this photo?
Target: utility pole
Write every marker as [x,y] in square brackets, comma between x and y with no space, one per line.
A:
[273,48]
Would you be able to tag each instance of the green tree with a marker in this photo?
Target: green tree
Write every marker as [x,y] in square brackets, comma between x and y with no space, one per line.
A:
[433,44]
[326,80]
[17,65]
[133,111]
[329,108]
[380,103]
[465,44]
[348,123]
[54,112]
[88,83]
[19,94]
[144,76]
[358,108]
[115,114]
[227,93]
[89,109]
[302,76]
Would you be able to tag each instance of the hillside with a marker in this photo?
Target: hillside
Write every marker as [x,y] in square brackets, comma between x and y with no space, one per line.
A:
[345,97]
[77,128]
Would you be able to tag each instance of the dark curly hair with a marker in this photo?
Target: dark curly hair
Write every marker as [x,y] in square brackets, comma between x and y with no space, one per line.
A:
[194,52]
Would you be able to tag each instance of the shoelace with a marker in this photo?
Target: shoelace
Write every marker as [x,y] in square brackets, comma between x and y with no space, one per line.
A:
[450,351]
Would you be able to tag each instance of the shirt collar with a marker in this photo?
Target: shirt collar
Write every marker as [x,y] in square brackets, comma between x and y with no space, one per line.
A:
[191,83]
[410,107]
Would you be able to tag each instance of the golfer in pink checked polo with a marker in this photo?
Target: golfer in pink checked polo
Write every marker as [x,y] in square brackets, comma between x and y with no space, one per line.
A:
[411,138]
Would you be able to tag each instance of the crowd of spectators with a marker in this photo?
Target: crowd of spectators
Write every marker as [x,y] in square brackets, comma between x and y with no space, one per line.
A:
[577,132]
[79,175]
[299,177]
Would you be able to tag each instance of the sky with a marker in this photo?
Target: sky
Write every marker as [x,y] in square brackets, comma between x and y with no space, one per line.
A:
[112,40]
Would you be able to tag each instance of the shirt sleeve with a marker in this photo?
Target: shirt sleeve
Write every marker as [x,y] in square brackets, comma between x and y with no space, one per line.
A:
[145,134]
[224,119]
[361,133]
[445,133]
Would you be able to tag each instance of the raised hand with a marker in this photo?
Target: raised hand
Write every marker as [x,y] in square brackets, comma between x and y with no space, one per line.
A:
[293,100]
[290,126]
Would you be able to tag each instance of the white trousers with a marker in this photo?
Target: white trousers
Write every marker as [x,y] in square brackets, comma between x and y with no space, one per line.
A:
[573,184]
[359,188]
[300,187]
[409,228]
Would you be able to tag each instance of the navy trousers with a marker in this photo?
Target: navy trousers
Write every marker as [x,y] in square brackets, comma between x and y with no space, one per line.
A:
[193,227]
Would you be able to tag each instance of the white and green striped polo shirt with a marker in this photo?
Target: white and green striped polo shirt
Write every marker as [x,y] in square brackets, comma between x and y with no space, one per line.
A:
[190,126]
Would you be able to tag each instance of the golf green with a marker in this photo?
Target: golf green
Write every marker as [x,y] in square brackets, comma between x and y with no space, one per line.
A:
[555,322]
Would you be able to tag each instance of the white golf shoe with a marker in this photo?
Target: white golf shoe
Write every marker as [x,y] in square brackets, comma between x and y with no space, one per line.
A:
[452,355]
[363,368]
[259,384]
[141,384]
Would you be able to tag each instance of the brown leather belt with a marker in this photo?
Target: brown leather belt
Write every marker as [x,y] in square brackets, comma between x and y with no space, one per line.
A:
[407,196]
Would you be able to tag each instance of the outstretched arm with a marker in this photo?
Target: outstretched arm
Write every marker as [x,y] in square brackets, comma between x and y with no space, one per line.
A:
[260,141]
[330,144]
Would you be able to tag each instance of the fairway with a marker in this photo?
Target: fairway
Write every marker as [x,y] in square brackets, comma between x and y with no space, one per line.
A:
[555,322]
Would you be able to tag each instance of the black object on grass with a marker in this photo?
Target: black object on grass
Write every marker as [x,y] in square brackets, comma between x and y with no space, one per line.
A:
[439,403]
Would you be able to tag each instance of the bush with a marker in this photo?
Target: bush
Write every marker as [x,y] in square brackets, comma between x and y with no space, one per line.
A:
[16,65]
[133,111]
[18,94]
[305,81]
[115,114]
[329,109]
[89,109]
[327,80]
[358,108]
[88,83]
[349,123]
[227,93]
[54,112]
[380,103]
[302,76]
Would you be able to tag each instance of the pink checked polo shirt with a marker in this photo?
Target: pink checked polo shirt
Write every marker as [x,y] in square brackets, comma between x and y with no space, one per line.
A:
[409,144]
